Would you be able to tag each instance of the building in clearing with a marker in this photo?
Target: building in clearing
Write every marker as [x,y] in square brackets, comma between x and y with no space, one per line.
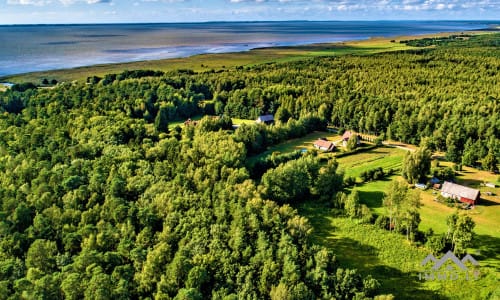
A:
[324,145]
[266,119]
[347,135]
[460,192]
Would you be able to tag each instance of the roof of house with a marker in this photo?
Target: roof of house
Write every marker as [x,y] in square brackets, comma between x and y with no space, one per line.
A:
[434,180]
[347,135]
[459,190]
[266,118]
[324,144]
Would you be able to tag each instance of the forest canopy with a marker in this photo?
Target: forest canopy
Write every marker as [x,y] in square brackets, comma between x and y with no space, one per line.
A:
[101,198]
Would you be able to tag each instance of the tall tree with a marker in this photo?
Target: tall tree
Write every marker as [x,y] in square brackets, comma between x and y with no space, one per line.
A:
[161,120]
[393,201]
[352,204]
[329,181]
[416,165]
[460,232]
[490,162]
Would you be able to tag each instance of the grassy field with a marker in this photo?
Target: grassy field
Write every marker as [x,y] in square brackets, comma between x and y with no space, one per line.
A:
[305,142]
[242,121]
[181,122]
[392,260]
[199,117]
[220,61]
[385,157]
[389,257]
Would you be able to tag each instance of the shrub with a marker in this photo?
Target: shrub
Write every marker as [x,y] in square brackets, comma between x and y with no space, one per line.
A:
[365,214]
[436,243]
[349,181]
[382,222]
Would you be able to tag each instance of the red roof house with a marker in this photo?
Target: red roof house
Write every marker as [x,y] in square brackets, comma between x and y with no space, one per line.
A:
[347,135]
[460,192]
[324,145]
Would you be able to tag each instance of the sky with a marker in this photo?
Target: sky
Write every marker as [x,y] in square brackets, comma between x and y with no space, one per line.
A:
[140,11]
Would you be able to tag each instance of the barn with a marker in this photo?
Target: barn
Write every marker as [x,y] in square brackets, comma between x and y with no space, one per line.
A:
[324,145]
[266,119]
[460,192]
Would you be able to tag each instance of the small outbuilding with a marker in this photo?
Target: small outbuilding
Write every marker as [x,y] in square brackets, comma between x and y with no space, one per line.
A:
[347,135]
[266,119]
[324,145]
[459,192]
[421,186]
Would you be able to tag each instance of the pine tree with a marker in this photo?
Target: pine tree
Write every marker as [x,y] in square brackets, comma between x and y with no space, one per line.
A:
[161,120]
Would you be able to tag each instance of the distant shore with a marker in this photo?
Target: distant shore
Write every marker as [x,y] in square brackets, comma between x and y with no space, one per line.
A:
[220,61]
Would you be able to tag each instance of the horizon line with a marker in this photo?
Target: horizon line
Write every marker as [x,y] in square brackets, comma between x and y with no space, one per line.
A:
[248,21]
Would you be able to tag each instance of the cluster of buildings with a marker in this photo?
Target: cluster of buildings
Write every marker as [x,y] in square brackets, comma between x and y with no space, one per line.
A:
[448,189]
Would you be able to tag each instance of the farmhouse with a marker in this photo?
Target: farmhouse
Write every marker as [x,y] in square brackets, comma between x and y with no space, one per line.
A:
[460,192]
[347,135]
[324,145]
[266,119]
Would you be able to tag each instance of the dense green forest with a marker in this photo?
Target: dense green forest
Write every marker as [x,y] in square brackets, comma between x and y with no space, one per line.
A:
[100,199]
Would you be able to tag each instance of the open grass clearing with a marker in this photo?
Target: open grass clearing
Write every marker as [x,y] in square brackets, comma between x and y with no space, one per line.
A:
[242,121]
[305,142]
[433,214]
[199,117]
[385,157]
[392,260]
[181,122]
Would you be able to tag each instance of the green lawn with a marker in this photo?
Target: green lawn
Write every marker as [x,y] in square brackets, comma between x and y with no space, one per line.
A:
[199,117]
[181,122]
[393,261]
[305,142]
[372,194]
[242,121]
[389,257]
[385,157]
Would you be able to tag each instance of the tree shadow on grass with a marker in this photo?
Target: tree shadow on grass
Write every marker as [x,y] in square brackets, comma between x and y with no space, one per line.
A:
[402,285]
[373,199]
[354,255]
[489,249]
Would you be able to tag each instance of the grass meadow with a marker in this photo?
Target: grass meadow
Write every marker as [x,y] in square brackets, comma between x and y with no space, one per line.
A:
[388,256]
[392,260]
[386,157]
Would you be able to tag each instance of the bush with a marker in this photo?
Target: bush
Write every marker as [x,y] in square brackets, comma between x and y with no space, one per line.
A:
[382,222]
[436,243]
[365,214]
[349,181]
[373,174]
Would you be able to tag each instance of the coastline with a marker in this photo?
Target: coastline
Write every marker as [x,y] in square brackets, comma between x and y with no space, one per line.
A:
[223,60]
